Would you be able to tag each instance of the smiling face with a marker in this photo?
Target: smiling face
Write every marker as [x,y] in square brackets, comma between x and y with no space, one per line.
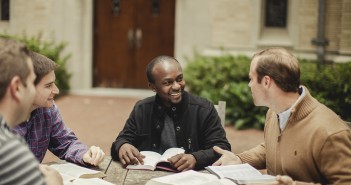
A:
[46,91]
[169,82]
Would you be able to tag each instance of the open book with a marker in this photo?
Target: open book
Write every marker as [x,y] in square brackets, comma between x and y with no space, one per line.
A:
[189,178]
[155,160]
[241,174]
[73,174]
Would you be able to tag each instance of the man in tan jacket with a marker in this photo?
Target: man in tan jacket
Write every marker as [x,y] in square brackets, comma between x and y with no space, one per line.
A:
[305,142]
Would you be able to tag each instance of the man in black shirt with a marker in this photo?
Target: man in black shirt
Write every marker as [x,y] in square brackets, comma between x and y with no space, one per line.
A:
[171,118]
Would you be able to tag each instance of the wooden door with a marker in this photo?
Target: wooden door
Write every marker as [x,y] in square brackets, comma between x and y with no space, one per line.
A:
[127,35]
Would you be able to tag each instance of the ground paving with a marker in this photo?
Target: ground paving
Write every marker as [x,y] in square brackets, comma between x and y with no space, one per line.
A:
[97,120]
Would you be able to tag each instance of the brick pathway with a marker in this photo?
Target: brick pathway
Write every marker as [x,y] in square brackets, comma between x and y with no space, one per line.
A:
[97,120]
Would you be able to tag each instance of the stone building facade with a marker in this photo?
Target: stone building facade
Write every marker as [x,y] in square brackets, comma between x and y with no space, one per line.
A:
[207,26]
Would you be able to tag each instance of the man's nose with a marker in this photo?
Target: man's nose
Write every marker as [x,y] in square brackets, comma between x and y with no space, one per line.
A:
[55,90]
[175,85]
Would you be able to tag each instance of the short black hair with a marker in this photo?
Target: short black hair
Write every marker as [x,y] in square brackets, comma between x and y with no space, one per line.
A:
[153,62]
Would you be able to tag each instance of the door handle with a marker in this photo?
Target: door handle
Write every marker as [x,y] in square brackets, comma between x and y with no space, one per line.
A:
[135,38]
[138,37]
[130,38]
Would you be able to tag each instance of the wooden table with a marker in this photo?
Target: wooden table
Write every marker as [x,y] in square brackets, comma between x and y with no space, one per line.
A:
[116,174]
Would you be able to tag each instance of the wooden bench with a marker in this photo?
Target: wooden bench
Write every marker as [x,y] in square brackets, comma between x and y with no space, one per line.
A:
[220,108]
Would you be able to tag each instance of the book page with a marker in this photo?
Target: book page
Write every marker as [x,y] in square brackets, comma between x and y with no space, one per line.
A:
[153,158]
[67,178]
[220,182]
[188,178]
[255,179]
[150,160]
[92,181]
[234,171]
[75,171]
[163,163]
[171,152]
[240,173]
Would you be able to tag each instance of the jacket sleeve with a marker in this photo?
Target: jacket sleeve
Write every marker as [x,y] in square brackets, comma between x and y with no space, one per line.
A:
[63,142]
[212,134]
[127,135]
[334,159]
[256,156]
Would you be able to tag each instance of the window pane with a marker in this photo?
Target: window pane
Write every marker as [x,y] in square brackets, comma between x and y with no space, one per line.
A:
[5,10]
[276,11]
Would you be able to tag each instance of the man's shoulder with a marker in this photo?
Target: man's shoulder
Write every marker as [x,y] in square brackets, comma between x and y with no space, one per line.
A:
[15,163]
[4,136]
[146,101]
[45,115]
[7,137]
[45,110]
[199,101]
[327,118]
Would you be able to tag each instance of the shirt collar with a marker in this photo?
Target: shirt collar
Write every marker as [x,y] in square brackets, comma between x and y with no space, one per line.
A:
[284,116]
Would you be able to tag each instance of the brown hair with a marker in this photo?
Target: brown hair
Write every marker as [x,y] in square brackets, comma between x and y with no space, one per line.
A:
[13,62]
[42,65]
[281,66]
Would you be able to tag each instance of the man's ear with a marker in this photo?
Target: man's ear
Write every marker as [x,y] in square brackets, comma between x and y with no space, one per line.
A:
[16,86]
[152,87]
[267,80]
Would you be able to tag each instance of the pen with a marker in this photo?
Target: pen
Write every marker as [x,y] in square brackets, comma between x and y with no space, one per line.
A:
[189,145]
[108,165]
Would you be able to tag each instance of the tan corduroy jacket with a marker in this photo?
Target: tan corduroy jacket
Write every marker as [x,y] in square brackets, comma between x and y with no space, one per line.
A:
[315,146]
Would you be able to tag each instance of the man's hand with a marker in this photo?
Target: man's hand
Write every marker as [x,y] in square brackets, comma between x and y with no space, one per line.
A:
[52,177]
[281,180]
[183,162]
[284,180]
[128,154]
[227,157]
[94,156]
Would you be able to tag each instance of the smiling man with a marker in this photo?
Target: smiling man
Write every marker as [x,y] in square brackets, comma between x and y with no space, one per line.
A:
[45,128]
[17,92]
[171,118]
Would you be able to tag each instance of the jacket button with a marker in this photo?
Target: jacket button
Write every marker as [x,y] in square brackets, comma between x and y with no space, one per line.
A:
[174,108]
[178,128]
[154,145]
[158,127]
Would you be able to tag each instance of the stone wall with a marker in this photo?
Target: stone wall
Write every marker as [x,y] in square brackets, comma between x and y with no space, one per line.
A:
[68,21]
[345,34]
[205,26]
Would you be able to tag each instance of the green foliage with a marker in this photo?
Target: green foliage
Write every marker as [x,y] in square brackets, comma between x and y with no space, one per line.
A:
[331,85]
[52,51]
[226,78]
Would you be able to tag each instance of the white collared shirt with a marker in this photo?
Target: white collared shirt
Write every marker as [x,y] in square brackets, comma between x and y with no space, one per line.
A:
[284,116]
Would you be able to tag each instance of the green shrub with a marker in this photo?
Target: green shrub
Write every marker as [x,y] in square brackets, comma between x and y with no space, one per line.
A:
[331,85]
[226,78]
[52,51]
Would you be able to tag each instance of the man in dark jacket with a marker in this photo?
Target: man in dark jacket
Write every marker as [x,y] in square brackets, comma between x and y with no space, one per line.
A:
[171,118]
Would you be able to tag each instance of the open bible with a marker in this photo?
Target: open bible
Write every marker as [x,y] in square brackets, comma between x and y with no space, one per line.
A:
[155,160]
[73,174]
[221,175]
[240,174]
[190,177]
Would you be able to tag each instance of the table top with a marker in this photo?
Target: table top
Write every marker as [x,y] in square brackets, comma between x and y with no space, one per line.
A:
[116,174]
